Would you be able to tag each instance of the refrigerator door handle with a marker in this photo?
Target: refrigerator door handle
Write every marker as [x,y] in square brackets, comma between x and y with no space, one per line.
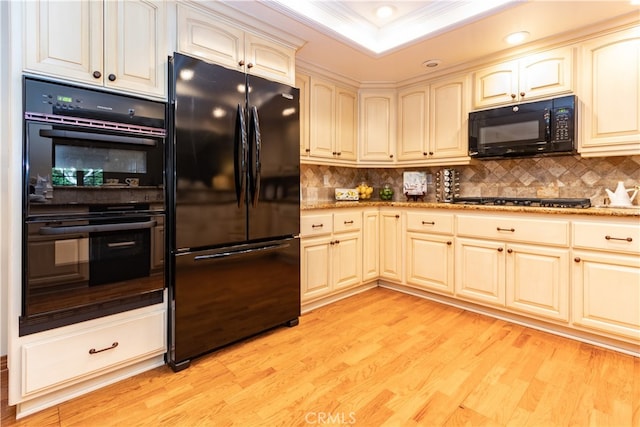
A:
[256,146]
[240,252]
[240,156]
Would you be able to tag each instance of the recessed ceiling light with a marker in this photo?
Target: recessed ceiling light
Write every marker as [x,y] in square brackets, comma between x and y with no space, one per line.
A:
[431,63]
[516,38]
[385,11]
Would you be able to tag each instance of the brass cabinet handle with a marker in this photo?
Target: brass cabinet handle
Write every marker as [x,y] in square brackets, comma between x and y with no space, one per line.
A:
[94,351]
[317,225]
[628,239]
[506,229]
[428,223]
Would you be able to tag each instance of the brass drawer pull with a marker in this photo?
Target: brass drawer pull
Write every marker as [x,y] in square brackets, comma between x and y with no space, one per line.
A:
[94,351]
[628,239]
[317,225]
[506,229]
[428,223]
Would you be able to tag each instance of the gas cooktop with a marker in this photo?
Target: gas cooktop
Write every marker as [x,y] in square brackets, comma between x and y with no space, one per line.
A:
[524,201]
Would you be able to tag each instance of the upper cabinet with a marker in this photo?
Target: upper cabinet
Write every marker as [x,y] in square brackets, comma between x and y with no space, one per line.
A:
[303,83]
[332,122]
[534,76]
[610,95]
[115,44]
[214,38]
[413,123]
[377,126]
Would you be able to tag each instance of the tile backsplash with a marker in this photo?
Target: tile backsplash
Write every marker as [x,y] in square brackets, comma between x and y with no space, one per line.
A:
[561,176]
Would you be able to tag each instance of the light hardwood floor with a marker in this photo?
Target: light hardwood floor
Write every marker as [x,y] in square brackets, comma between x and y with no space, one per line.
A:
[380,358]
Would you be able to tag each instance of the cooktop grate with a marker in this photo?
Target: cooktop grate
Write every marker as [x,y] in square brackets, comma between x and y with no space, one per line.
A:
[525,201]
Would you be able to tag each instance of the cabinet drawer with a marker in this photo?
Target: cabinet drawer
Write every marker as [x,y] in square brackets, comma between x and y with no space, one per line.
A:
[430,222]
[316,225]
[511,229]
[347,221]
[609,237]
[64,359]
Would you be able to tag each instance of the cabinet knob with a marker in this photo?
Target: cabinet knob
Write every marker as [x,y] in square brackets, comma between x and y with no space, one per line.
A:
[513,96]
[509,251]
[97,74]
[241,62]
[334,153]
[339,153]
[397,216]
[500,249]
[307,150]
[424,153]
[522,94]
[577,259]
[337,242]
[449,243]
[249,65]
[391,156]
[112,77]
[431,153]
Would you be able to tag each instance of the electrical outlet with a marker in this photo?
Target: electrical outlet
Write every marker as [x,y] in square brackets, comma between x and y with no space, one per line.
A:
[429,178]
[326,180]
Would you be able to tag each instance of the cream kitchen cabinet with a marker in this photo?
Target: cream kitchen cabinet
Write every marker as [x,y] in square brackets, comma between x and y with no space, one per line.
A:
[332,122]
[534,76]
[370,245]
[606,278]
[303,82]
[216,38]
[377,126]
[116,44]
[516,262]
[391,244]
[62,363]
[430,256]
[609,92]
[331,253]
[413,123]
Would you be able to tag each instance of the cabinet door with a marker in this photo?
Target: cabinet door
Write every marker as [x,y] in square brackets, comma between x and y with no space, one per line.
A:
[135,46]
[377,127]
[370,246]
[610,95]
[269,59]
[64,39]
[346,259]
[303,83]
[606,293]
[391,245]
[322,119]
[315,258]
[480,270]
[538,280]
[203,35]
[413,123]
[547,73]
[495,85]
[430,262]
[346,124]
[449,113]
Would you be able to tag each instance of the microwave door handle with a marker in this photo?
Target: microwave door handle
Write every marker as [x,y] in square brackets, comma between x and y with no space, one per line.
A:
[90,136]
[547,125]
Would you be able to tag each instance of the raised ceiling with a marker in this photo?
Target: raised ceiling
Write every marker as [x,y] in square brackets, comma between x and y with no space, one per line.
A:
[471,39]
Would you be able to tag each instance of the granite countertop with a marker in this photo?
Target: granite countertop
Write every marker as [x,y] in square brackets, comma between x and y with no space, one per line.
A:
[594,211]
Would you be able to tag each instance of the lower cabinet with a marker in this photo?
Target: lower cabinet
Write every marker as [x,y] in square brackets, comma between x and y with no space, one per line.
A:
[59,364]
[391,256]
[331,253]
[370,245]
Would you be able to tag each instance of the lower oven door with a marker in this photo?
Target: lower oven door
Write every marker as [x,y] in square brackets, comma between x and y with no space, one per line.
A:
[75,270]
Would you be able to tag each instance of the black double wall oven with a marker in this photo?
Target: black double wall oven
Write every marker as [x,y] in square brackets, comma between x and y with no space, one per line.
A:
[93,204]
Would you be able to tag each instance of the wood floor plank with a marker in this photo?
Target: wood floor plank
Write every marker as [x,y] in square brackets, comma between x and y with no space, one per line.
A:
[379,358]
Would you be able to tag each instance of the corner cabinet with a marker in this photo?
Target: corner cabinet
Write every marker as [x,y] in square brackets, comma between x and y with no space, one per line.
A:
[377,126]
[610,95]
[205,34]
[534,76]
[117,44]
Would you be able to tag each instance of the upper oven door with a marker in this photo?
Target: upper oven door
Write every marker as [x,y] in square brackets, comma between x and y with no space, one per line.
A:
[66,165]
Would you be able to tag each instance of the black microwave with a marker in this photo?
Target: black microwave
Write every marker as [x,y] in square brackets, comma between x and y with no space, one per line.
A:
[523,130]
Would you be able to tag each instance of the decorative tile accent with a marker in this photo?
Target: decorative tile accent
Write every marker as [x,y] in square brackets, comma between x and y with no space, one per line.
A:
[558,176]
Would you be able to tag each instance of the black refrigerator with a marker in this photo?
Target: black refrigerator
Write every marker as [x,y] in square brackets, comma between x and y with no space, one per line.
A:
[234,207]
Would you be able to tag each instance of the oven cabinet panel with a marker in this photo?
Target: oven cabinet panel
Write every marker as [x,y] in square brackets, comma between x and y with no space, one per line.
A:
[606,293]
[115,44]
[54,366]
[534,76]
[610,123]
